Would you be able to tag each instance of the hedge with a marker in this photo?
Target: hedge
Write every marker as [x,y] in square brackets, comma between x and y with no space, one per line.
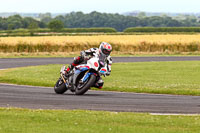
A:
[163,29]
[68,30]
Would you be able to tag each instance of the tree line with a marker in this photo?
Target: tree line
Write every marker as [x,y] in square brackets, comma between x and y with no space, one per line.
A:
[94,19]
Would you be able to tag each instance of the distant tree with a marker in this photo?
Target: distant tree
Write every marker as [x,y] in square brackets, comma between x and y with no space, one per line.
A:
[42,25]
[32,27]
[27,21]
[4,24]
[163,15]
[15,21]
[55,25]
[46,18]
[60,17]
[10,26]
[43,15]
[97,19]
[141,15]
[1,23]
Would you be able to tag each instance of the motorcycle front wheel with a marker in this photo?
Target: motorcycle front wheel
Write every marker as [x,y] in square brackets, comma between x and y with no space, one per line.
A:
[82,89]
[60,87]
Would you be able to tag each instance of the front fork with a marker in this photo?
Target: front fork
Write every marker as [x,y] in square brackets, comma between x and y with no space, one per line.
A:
[65,81]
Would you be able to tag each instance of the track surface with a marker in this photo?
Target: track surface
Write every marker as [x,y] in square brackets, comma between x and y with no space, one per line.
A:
[45,98]
[20,62]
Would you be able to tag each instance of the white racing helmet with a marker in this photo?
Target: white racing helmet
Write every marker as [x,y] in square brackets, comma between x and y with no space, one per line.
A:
[105,49]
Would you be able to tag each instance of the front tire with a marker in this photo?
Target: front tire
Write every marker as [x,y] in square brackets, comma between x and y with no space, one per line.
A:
[85,88]
[60,87]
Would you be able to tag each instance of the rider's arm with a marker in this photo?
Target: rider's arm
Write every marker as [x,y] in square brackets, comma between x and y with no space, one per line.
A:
[89,52]
[109,64]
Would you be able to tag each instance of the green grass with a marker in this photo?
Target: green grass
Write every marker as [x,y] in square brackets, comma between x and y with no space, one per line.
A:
[79,121]
[181,78]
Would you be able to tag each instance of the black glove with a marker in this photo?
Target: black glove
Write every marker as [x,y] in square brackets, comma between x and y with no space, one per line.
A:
[108,74]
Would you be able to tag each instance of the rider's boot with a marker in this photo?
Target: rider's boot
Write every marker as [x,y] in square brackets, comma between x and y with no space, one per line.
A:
[67,71]
[99,83]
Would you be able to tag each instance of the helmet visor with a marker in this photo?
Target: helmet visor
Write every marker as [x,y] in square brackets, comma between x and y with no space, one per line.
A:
[106,52]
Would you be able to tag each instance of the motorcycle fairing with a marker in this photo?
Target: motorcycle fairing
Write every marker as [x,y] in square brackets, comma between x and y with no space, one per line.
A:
[103,71]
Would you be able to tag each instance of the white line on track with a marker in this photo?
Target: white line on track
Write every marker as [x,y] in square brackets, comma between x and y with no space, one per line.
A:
[174,114]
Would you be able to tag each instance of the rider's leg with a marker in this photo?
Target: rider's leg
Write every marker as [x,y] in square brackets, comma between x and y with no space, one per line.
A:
[76,62]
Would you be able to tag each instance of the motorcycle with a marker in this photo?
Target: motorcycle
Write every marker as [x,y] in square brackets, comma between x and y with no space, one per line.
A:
[82,77]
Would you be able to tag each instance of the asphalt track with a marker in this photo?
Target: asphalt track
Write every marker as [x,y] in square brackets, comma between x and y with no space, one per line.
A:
[20,62]
[45,98]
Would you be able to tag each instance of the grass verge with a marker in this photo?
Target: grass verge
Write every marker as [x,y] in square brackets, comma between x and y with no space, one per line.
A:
[79,121]
[182,78]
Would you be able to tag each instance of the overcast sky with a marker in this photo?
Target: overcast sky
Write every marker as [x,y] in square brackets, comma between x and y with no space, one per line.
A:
[109,6]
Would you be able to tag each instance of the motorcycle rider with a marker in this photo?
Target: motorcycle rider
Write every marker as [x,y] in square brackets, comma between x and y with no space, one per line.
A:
[103,52]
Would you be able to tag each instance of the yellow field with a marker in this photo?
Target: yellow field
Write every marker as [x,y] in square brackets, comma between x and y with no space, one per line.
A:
[121,43]
[116,39]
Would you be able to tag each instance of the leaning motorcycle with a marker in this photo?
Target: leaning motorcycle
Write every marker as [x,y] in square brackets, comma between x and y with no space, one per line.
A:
[82,77]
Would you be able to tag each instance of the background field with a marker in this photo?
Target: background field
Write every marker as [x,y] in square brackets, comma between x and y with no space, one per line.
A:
[122,44]
[149,77]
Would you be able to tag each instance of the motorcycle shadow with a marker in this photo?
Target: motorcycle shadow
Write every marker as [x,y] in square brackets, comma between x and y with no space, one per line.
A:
[71,94]
[89,93]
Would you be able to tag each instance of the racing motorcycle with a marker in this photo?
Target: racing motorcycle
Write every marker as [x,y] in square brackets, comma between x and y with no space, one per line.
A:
[82,77]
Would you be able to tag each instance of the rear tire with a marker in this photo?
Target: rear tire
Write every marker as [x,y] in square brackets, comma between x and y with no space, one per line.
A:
[60,88]
[85,88]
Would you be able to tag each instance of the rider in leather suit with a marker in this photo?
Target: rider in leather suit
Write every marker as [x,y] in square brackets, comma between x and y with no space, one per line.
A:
[103,52]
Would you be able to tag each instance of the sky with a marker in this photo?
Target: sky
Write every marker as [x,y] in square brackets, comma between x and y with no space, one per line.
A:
[107,6]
